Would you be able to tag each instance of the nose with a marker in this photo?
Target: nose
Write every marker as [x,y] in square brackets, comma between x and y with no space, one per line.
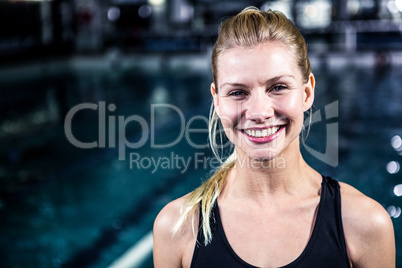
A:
[259,108]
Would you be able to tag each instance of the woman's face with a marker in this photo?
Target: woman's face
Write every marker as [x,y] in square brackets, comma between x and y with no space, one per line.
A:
[261,99]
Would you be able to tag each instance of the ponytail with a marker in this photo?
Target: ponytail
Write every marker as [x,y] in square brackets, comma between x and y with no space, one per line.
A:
[205,195]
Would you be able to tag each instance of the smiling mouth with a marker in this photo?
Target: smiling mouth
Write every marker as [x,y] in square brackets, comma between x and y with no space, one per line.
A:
[261,133]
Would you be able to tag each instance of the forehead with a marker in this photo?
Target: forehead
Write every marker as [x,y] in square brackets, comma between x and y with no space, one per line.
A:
[265,60]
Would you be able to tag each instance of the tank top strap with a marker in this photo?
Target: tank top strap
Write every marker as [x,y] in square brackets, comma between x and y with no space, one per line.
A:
[331,226]
[331,205]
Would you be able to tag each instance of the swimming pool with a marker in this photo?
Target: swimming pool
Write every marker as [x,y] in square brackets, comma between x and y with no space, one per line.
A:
[62,205]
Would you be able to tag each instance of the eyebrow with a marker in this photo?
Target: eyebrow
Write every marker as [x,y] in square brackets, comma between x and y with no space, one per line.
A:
[268,81]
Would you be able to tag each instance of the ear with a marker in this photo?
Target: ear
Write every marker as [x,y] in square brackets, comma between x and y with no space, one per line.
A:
[214,94]
[309,93]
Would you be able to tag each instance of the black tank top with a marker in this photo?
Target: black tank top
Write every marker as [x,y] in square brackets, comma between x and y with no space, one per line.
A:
[326,247]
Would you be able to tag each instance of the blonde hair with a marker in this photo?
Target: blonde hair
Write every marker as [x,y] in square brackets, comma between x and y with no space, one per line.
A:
[247,29]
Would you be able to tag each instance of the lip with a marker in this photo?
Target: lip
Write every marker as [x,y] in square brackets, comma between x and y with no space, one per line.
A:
[263,139]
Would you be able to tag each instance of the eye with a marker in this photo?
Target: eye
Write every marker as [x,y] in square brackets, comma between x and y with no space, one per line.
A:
[278,88]
[237,93]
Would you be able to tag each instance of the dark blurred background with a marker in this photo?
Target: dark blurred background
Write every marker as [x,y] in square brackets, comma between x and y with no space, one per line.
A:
[63,205]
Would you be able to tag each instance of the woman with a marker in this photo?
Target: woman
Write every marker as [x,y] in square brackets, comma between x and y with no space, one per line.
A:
[265,207]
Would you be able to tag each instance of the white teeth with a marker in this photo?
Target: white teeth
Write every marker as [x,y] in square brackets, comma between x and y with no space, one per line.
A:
[262,133]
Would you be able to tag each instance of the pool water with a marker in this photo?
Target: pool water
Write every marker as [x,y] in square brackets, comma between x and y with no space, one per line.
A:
[65,206]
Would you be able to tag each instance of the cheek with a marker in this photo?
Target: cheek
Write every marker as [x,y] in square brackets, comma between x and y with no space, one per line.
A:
[229,116]
[296,112]
[229,113]
[291,106]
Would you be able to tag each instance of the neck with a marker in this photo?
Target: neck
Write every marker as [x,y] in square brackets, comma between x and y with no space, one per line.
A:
[279,176]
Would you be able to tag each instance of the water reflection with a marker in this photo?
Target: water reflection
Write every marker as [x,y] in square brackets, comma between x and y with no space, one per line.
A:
[394,212]
[396,143]
[398,190]
[393,167]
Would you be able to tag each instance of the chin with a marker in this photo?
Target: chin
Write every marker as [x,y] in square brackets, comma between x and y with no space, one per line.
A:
[265,161]
[256,156]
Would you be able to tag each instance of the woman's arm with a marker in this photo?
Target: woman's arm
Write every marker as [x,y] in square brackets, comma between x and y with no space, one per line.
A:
[368,230]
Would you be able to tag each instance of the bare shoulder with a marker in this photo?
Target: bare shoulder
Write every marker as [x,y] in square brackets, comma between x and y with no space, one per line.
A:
[172,249]
[368,229]
[356,205]
[168,216]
